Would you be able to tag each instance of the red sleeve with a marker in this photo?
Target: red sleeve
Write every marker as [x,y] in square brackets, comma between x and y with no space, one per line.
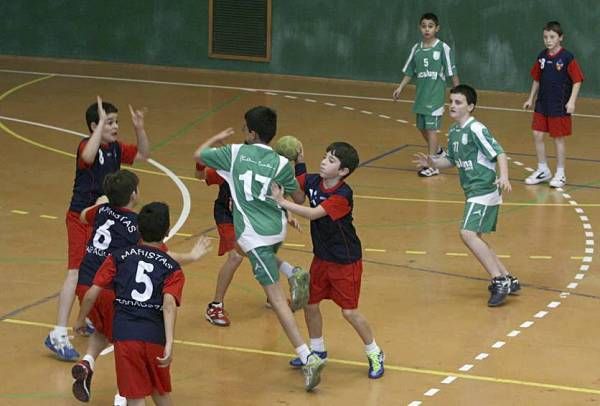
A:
[301,179]
[174,285]
[106,273]
[575,72]
[81,164]
[536,71]
[336,207]
[128,153]
[212,177]
[90,215]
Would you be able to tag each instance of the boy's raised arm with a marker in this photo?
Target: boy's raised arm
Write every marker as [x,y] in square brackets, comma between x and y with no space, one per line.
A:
[143,145]
[88,155]
[212,140]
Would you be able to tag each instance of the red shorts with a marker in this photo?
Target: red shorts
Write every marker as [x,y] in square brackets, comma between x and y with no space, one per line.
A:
[78,235]
[138,374]
[226,237]
[103,312]
[555,126]
[338,282]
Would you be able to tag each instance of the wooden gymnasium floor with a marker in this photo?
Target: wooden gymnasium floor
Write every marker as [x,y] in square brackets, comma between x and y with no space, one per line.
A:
[423,294]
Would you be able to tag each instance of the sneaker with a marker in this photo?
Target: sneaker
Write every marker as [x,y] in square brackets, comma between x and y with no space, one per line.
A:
[62,347]
[312,371]
[538,177]
[515,285]
[89,328]
[216,315]
[299,284]
[440,154]
[500,289]
[120,400]
[376,364]
[428,172]
[82,373]
[296,363]
[558,181]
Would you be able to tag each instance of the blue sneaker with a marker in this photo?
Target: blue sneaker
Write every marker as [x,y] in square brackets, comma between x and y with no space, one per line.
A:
[296,363]
[89,328]
[376,364]
[61,346]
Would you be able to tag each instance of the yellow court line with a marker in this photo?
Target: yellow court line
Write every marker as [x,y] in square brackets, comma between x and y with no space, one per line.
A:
[45,216]
[457,254]
[421,371]
[576,257]
[289,244]
[374,250]
[415,252]
[503,256]
[540,257]
[19,212]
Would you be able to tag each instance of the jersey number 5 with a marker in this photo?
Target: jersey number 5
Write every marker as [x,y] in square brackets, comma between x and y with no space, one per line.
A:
[141,277]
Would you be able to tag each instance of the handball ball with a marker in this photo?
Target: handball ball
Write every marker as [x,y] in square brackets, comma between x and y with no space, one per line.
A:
[288,146]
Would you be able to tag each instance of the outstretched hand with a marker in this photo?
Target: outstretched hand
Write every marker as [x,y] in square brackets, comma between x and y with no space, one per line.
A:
[504,184]
[223,134]
[137,116]
[201,248]
[422,160]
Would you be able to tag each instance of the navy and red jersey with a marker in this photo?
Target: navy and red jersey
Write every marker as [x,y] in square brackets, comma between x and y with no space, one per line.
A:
[114,228]
[556,74]
[140,276]
[87,186]
[333,236]
[222,207]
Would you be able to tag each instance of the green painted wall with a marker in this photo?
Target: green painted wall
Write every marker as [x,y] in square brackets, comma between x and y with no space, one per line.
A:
[495,41]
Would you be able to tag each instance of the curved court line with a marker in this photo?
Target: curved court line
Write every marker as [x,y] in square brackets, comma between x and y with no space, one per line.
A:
[185,193]
[398,368]
[202,85]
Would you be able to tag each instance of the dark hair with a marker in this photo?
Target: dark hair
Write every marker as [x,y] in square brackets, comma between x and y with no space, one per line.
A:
[553,26]
[91,114]
[429,16]
[118,187]
[346,153]
[263,121]
[467,91]
[153,221]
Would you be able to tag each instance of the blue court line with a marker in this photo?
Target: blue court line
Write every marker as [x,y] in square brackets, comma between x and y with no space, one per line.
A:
[390,152]
[23,308]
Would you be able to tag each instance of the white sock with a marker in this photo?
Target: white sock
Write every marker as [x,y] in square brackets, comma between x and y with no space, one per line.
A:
[543,167]
[371,348]
[303,352]
[59,331]
[317,344]
[90,360]
[560,172]
[286,269]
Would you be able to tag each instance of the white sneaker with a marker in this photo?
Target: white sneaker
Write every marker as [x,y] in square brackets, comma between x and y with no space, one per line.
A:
[558,181]
[538,177]
[120,400]
[428,172]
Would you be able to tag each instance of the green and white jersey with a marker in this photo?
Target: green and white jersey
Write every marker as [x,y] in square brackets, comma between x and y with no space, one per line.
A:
[249,171]
[473,150]
[430,67]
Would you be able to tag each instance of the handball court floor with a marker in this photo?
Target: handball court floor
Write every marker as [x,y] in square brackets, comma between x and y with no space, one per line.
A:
[423,293]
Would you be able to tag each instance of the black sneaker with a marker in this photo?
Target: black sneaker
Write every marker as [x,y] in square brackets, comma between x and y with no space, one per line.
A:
[515,286]
[82,373]
[500,288]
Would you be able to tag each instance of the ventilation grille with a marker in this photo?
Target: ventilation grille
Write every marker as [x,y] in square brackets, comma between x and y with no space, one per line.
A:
[240,29]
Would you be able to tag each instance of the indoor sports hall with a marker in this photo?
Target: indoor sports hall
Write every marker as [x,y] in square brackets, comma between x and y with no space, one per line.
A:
[329,70]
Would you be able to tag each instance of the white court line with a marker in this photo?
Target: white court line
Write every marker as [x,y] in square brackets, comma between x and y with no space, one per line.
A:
[185,193]
[202,85]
